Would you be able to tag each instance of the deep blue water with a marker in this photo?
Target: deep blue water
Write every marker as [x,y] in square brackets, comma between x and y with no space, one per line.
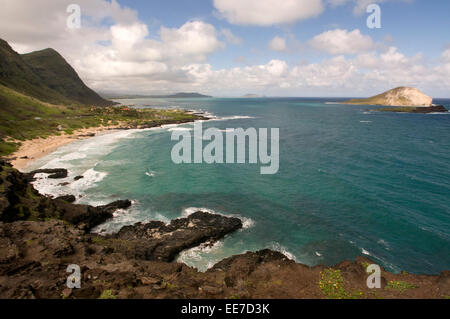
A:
[351,182]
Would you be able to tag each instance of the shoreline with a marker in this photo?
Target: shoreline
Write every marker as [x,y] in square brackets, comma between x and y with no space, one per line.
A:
[32,150]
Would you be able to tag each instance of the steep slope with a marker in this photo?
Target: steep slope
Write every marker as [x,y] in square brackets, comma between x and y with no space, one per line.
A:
[45,75]
[17,75]
[56,73]
[401,96]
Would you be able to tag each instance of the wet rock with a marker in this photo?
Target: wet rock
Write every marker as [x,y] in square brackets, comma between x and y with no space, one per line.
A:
[54,173]
[77,178]
[67,198]
[158,241]
[119,204]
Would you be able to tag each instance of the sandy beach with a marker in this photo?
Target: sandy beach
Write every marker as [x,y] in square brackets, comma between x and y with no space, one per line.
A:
[34,149]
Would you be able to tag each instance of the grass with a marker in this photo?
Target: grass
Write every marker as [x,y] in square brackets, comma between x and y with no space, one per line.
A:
[23,118]
[400,285]
[331,284]
[108,294]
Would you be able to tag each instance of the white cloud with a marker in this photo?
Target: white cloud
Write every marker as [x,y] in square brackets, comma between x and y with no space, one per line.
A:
[113,50]
[268,12]
[125,56]
[128,35]
[360,6]
[230,37]
[278,44]
[193,38]
[340,41]
[446,56]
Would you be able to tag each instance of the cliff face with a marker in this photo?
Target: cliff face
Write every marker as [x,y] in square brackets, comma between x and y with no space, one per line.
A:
[402,96]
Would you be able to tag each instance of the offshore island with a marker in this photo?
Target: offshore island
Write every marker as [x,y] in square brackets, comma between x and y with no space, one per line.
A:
[43,99]
[402,100]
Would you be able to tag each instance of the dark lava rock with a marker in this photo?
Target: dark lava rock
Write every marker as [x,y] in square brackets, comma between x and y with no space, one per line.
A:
[119,204]
[78,178]
[431,109]
[54,173]
[20,201]
[87,135]
[67,198]
[158,241]
[84,216]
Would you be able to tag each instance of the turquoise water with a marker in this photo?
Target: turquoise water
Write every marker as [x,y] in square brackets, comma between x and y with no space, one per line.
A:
[351,182]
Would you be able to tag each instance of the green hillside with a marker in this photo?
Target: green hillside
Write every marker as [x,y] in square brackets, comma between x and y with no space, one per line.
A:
[45,75]
[24,118]
[57,74]
[16,74]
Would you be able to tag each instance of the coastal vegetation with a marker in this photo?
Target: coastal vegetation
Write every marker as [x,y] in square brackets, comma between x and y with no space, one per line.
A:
[23,118]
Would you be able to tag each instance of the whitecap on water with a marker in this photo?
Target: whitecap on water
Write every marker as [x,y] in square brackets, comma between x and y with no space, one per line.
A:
[150,173]
[278,247]
[196,254]
[180,129]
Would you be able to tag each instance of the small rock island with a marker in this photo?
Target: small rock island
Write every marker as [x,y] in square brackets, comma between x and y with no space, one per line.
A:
[402,99]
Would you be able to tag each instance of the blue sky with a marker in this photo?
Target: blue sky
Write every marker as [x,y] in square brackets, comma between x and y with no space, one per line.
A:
[223,47]
[416,26]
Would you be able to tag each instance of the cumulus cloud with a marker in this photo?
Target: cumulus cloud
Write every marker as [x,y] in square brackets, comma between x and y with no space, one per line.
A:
[446,56]
[340,41]
[360,6]
[268,12]
[230,37]
[278,44]
[193,38]
[364,74]
[114,51]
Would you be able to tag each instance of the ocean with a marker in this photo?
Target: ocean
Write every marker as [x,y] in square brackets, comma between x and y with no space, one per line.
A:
[351,182]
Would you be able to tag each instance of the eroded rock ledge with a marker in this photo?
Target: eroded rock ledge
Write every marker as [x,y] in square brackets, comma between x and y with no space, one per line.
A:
[158,241]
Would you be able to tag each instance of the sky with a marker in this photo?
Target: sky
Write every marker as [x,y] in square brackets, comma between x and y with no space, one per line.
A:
[229,48]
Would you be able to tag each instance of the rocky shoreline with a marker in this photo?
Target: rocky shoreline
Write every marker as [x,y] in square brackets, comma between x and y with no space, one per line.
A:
[40,236]
[417,110]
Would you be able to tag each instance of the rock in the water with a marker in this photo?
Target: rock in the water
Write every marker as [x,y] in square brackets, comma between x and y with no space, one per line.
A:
[67,198]
[54,173]
[119,204]
[158,241]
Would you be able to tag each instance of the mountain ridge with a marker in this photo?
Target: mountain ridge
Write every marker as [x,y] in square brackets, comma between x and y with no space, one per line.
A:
[45,75]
